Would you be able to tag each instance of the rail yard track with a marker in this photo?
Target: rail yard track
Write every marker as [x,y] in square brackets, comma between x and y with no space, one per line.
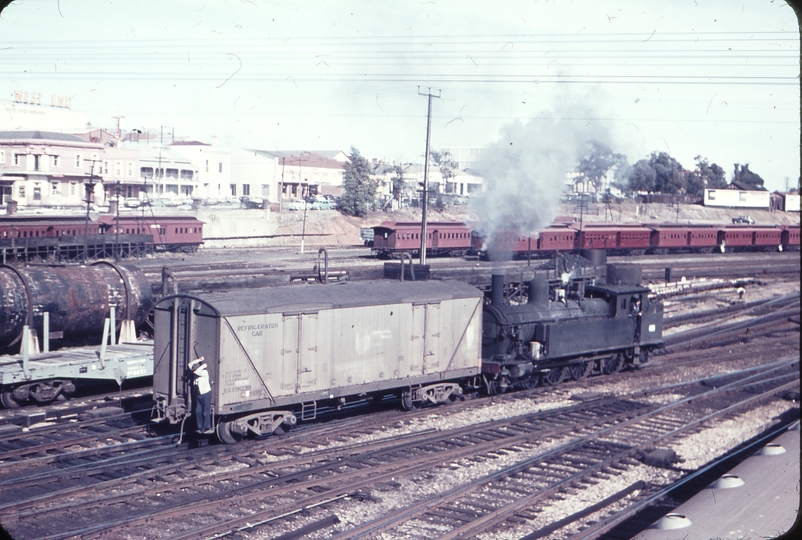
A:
[265,268]
[217,489]
[101,472]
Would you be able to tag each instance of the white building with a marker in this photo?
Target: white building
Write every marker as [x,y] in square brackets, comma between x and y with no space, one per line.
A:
[211,166]
[40,168]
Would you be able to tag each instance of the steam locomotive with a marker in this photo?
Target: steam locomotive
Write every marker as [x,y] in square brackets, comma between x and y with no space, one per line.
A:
[279,355]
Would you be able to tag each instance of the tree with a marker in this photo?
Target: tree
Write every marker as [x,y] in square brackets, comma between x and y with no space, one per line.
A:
[641,177]
[669,174]
[359,189]
[743,175]
[598,161]
[398,182]
[712,176]
[447,166]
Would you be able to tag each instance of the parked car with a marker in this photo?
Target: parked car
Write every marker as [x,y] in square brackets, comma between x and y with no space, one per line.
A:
[296,205]
[249,203]
[744,219]
[321,205]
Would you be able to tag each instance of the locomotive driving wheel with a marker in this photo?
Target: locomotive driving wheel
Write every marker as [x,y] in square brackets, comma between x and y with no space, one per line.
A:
[554,376]
[580,370]
[530,382]
[612,364]
[499,386]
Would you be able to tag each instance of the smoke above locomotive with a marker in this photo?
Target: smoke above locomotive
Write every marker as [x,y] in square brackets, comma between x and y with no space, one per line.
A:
[525,174]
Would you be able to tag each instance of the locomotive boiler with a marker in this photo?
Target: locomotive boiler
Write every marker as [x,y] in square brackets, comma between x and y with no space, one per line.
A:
[559,332]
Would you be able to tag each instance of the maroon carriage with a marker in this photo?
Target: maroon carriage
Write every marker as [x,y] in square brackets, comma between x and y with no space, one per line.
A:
[556,239]
[170,233]
[597,238]
[39,226]
[442,238]
[789,238]
[736,238]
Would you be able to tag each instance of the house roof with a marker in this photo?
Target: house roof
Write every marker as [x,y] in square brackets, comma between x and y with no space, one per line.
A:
[189,143]
[39,135]
[743,186]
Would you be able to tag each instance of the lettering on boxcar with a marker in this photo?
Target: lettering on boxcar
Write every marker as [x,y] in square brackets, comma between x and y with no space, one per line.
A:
[257,327]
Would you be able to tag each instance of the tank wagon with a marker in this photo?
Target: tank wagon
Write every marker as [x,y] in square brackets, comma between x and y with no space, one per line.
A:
[568,332]
[77,301]
[277,355]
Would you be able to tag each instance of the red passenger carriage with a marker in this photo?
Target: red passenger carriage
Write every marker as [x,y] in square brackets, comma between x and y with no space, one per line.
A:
[392,238]
[170,233]
[790,238]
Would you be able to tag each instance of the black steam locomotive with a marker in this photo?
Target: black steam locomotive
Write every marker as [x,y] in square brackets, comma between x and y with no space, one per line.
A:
[569,332]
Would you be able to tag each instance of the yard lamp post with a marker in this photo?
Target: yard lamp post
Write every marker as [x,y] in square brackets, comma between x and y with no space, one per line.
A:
[300,183]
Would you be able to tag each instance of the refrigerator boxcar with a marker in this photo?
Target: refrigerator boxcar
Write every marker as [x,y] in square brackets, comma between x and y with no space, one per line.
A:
[277,355]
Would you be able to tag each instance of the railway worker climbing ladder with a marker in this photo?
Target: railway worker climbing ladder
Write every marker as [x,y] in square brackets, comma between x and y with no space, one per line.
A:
[203,396]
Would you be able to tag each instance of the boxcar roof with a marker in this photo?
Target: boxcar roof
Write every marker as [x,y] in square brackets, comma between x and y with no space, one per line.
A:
[300,298]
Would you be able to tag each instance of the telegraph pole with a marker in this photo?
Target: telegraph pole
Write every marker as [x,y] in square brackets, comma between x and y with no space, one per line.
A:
[119,132]
[90,188]
[426,175]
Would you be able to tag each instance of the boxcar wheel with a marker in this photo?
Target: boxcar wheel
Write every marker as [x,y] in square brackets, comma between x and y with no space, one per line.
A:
[406,401]
[227,433]
[7,399]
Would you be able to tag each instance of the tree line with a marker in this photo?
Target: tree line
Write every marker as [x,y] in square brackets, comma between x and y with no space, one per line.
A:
[659,173]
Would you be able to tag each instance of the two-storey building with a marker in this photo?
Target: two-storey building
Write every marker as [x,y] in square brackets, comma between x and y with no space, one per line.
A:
[41,168]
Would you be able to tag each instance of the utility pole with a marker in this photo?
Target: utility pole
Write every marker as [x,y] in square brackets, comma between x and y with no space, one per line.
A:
[281,186]
[119,133]
[90,188]
[425,197]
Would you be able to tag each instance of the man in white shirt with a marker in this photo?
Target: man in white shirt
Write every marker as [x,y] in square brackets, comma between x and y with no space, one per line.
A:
[203,396]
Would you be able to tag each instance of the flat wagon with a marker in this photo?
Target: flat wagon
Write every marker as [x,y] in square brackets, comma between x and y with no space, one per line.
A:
[277,354]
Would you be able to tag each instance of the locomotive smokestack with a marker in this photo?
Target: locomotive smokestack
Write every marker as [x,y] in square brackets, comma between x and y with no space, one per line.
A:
[538,292]
[497,290]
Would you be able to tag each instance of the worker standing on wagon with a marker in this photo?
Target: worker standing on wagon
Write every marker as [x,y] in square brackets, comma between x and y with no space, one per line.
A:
[203,396]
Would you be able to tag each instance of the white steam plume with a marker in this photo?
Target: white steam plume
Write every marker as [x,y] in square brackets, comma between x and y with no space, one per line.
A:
[525,174]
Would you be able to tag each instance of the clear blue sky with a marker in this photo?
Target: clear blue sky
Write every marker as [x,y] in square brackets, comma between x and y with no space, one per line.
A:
[716,78]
